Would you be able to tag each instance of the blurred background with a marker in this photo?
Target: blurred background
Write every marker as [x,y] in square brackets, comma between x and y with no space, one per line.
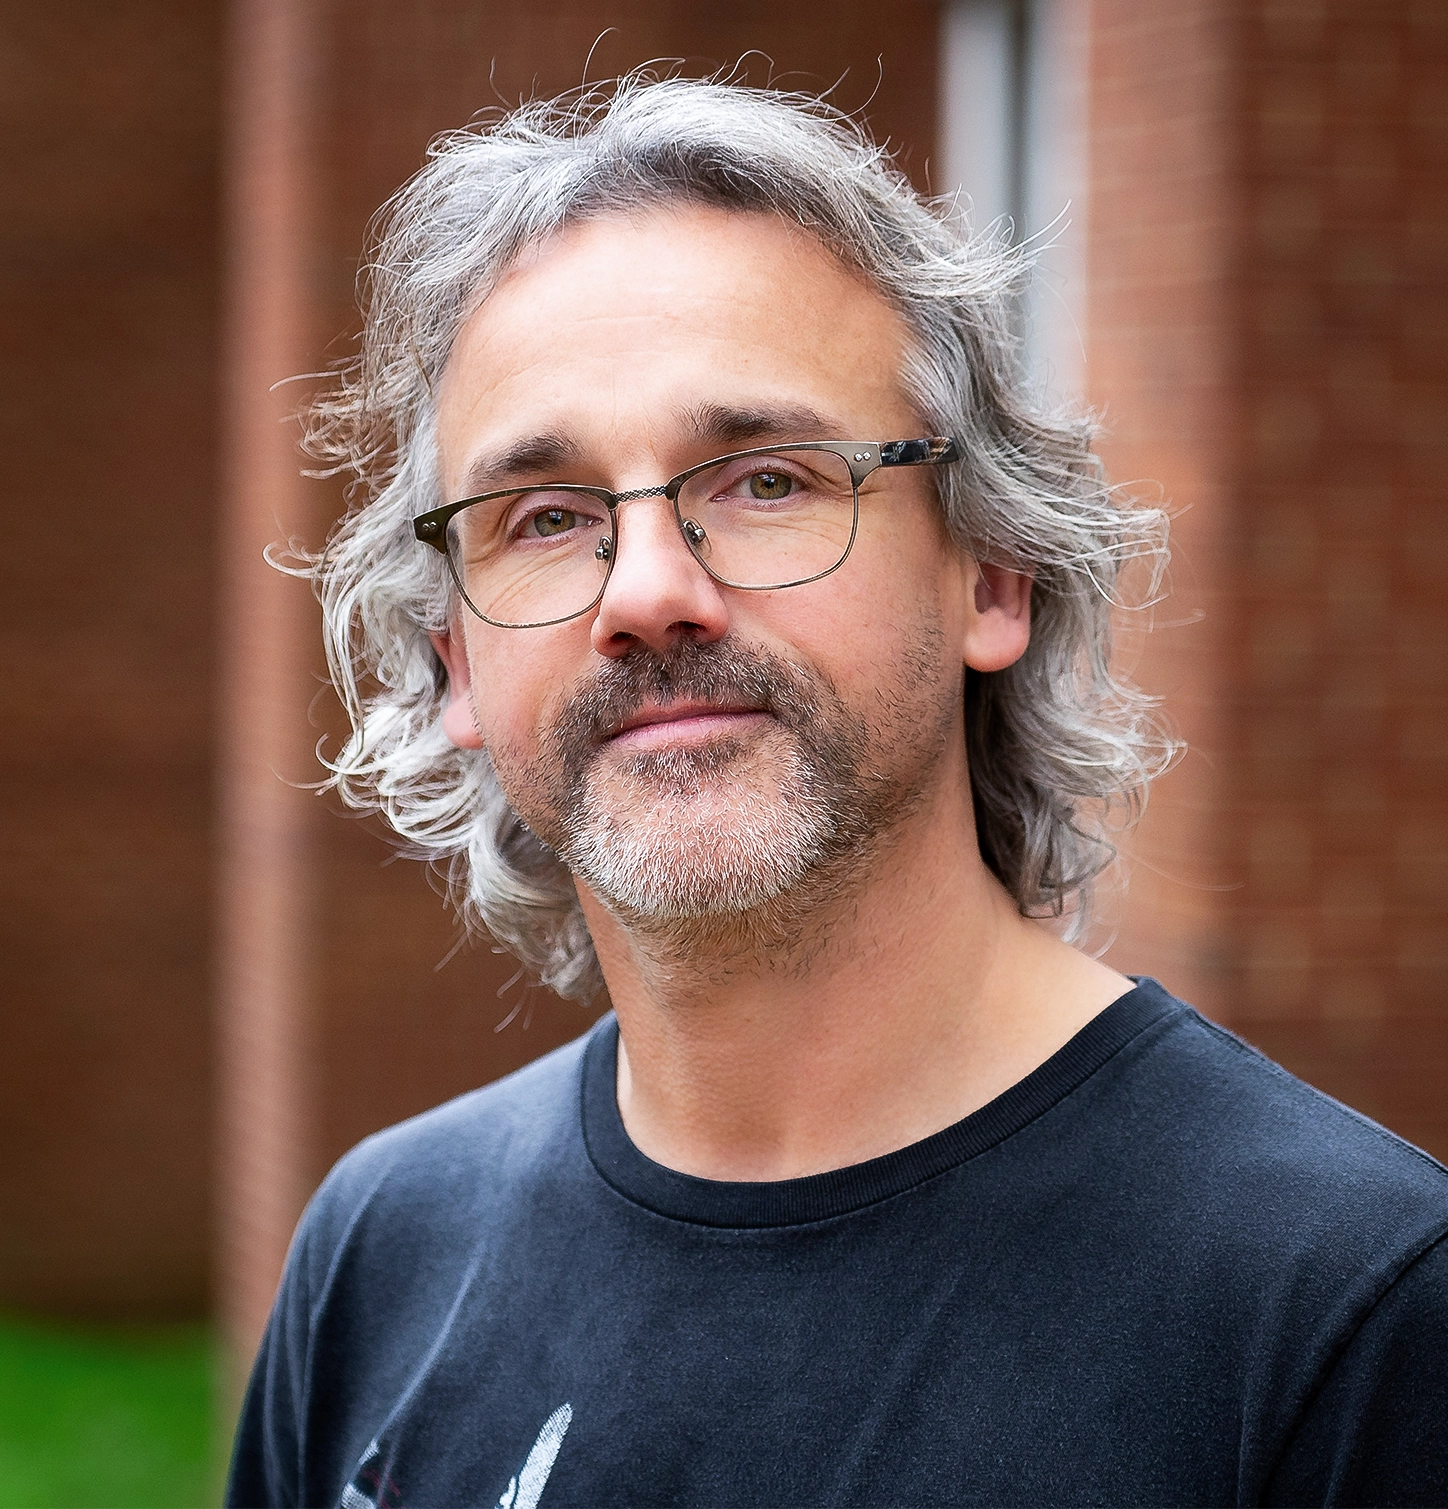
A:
[214,983]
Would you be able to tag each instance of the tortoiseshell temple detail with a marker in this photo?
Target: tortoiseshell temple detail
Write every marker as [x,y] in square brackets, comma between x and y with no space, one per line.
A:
[935,450]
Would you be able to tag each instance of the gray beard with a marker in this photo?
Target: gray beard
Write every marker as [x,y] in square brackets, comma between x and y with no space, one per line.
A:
[704,844]
[672,862]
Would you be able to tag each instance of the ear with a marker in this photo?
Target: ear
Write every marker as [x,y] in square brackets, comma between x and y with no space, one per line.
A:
[998,617]
[459,719]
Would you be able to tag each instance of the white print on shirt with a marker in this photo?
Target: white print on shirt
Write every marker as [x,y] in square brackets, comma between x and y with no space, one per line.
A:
[352,1495]
[524,1491]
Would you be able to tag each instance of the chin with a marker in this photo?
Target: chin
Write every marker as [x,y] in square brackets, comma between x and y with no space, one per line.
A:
[692,847]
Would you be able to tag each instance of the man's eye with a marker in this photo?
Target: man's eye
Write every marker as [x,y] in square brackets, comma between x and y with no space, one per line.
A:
[769,487]
[551,521]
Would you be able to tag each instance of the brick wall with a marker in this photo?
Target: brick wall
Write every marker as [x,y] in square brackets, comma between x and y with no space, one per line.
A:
[108,280]
[1269,250]
[1343,693]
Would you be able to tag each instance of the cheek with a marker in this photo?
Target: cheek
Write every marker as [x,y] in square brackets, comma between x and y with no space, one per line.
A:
[520,681]
[896,621]
[511,719]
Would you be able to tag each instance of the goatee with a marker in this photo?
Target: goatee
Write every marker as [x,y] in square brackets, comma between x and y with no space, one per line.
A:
[721,830]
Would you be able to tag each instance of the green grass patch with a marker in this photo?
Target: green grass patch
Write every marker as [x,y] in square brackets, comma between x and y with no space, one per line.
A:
[108,1417]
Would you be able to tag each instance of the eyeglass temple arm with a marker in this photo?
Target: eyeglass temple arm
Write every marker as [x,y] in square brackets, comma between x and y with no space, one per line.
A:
[935,450]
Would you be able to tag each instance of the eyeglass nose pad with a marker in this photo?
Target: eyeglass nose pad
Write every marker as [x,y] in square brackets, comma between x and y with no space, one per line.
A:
[696,535]
[604,550]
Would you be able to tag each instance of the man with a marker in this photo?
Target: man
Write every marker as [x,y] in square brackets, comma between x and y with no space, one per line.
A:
[740,632]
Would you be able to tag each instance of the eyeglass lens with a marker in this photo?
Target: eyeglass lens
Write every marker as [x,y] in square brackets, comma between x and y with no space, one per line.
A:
[538,556]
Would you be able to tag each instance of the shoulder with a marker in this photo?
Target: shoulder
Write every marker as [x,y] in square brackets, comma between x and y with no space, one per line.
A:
[1268,1119]
[465,1158]
[1267,1161]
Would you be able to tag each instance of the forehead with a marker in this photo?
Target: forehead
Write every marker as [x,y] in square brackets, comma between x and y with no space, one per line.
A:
[614,331]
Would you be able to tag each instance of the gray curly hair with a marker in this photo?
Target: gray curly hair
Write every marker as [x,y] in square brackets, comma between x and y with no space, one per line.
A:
[1061,749]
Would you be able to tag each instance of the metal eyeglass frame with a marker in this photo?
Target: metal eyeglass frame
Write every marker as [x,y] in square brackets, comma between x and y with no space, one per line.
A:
[861,456]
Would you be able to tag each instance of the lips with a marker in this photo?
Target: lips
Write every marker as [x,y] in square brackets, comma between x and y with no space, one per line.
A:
[692,694]
[681,712]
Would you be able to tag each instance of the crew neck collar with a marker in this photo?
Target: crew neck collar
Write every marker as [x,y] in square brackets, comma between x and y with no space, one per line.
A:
[818,1197]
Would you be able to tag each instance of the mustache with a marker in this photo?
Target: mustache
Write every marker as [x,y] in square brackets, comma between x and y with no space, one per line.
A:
[717,671]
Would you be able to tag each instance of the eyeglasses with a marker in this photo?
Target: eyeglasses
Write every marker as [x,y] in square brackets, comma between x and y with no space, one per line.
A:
[759,520]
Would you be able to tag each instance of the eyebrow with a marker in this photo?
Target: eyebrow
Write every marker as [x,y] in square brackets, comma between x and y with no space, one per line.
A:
[727,425]
[724,425]
[531,456]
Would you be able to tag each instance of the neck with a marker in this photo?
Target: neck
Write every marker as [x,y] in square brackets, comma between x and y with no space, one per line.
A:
[843,1024]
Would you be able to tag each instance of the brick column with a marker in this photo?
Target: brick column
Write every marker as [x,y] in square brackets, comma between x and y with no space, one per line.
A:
[1160,368]
[268,848]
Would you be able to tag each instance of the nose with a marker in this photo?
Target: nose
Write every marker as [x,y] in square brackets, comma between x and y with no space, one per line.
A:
[657,592]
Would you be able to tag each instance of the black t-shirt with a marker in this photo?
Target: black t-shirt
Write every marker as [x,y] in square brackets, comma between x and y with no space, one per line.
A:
[1159,1270]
